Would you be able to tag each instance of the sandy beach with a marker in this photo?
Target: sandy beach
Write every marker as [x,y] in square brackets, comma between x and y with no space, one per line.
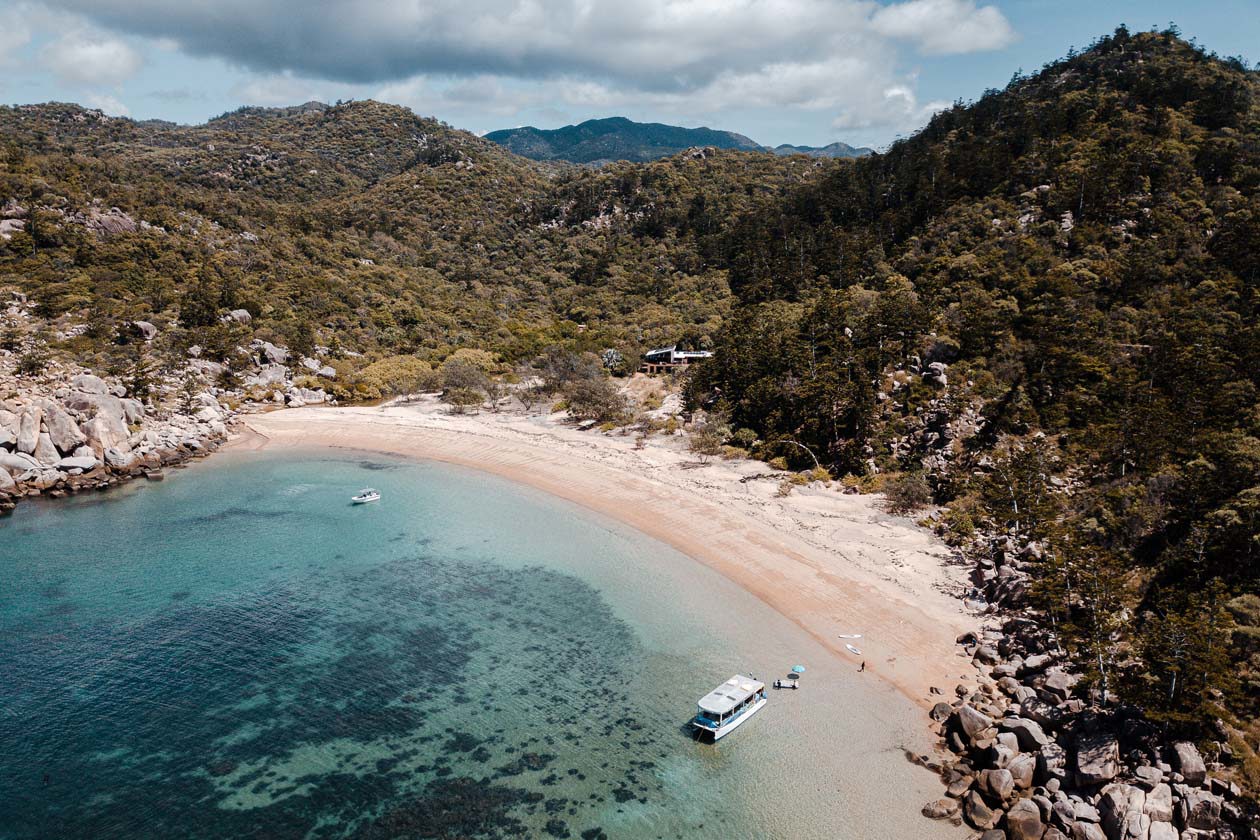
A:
[835,564]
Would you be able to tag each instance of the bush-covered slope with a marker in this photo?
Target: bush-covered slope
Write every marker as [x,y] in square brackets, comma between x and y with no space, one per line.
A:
[362,224]
[1048,301]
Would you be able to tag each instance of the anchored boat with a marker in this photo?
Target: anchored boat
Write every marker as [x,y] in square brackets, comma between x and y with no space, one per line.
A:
[367,494]
[728,705]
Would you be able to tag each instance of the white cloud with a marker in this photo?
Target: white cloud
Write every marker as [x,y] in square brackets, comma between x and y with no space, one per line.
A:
[945,27]
[482,94]
[461,59]
[14,35]
[109,104]
[651,44]
[86,57]
[280,89]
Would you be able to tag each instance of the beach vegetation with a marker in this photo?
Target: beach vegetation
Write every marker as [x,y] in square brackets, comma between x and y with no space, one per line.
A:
[707,439]
[463,400]
[399,375]
[596,398]
[459,374]
[483,360]
[906,493]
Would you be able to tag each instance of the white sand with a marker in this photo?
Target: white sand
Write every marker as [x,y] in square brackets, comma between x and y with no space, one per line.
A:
[833,563]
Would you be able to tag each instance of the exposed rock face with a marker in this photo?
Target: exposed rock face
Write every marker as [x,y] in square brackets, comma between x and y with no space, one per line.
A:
[85,463]
[110,222]
[1023,821]
[272,353]
[1118,802]
[1030,735]
[61,428]
[133,411]
[89,384]
[1087,831]
[978,813]
[268,375]
[1097,758]
[16,463]
[1159,803]
[106,431]
[118,459]
[941,809]
[45,452]
[147,330]
[28,431]
[1023,769]
[1189,763]
[1200,809]
[997,785]
[10,425]
[240,316]
[972,722]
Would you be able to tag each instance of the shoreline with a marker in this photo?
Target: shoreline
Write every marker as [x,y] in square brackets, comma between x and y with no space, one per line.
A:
[832,564]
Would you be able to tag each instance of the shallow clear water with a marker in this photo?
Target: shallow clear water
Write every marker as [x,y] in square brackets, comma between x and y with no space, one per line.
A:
[239,652]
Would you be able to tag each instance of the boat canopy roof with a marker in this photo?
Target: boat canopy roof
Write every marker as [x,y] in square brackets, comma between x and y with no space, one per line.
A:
[730,694]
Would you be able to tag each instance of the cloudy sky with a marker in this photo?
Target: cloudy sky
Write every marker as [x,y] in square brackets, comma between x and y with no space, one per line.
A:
[799,71]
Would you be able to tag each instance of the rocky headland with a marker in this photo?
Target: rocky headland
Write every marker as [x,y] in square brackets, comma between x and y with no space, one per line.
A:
[66,428]
[71,430]
[1035,752]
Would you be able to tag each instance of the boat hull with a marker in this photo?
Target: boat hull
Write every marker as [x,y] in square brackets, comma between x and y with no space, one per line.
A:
[731,725]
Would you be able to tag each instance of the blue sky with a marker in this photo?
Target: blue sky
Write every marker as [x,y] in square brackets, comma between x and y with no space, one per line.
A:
[798,71]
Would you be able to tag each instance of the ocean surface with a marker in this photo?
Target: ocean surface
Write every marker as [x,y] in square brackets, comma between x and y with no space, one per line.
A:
[239,652]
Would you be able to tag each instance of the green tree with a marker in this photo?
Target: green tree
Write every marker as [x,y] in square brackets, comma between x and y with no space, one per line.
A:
[1185,645]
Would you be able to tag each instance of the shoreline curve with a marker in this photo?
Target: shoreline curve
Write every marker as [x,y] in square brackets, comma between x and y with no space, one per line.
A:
[908,626]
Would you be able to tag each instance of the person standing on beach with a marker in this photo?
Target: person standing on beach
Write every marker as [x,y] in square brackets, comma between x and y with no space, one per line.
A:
[863,668]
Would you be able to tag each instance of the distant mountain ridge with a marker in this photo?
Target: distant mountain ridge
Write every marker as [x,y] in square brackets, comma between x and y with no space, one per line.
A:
[614,138]
[831,150]
[619,138]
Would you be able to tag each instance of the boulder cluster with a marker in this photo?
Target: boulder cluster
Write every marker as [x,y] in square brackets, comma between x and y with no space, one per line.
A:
[1033,756]
[83,432]
[271,378]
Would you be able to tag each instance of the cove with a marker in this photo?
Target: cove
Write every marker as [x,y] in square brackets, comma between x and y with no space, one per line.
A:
[239,652]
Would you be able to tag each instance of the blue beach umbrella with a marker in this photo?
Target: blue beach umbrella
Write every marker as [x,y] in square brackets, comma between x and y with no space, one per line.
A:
[798,669]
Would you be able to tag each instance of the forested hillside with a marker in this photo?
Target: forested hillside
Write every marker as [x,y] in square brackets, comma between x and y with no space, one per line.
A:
[360,226]
[1042,310]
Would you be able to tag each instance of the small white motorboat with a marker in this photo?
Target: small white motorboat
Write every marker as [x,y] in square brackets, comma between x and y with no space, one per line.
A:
[367,494]
[727,706]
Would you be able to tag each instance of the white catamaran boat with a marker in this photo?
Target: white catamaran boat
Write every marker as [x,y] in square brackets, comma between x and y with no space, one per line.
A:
[729,705]
[367,494]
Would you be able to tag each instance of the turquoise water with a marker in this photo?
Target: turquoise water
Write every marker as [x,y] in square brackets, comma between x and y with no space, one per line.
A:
[238,652]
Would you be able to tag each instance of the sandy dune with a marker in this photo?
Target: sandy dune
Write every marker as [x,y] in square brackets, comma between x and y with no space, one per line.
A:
[835,564]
